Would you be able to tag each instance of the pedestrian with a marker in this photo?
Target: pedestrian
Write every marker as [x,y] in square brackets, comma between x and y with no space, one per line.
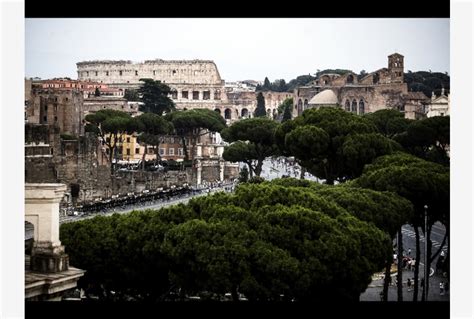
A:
[441,288]
[409,251]
[409,284]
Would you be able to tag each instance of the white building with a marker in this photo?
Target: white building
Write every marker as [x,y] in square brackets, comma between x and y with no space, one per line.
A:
[438,106]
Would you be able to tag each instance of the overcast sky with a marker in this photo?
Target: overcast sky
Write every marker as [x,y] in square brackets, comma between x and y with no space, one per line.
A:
[241,48]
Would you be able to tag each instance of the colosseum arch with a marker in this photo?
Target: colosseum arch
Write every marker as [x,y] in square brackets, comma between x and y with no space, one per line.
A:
[244,113]
[228,114]
[354,106]
[348,106]
[361,107]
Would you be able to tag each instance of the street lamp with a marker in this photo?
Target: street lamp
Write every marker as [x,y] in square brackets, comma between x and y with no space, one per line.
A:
[427,266]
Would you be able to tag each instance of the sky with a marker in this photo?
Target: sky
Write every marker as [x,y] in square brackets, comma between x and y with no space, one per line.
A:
[243,49]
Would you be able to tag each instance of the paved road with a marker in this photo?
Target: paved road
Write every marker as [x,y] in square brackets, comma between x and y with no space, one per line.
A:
[373,291]
[144,206]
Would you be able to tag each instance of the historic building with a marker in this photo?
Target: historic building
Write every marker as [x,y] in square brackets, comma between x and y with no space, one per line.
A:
[438,105]
[377,90]
[53,106]
[193,83]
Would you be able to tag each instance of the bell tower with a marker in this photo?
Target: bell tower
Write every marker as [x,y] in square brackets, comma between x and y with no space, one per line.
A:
[395,68]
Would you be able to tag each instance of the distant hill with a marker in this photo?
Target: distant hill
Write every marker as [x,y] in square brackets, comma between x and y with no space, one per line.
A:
[427,82]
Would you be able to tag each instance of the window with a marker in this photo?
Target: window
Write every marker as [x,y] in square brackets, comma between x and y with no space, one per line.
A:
[55,107]
[87,73]
[137,151]
[67,99]
[206,95]
[55,99]
[55,118]
[162,151]
[96,73]
[136,73]
[154,72]
[171,151]
[46,107]
[128,151]
[180,152]
[107,73]
[45,118]
[184,94]
[174,94]
[195,95]
[441,114]
[217,95]
[120,73]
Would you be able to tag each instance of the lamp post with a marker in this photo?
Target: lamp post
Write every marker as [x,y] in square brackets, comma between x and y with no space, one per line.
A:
[427,266]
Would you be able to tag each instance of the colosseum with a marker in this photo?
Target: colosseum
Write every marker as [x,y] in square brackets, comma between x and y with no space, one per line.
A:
[194,84]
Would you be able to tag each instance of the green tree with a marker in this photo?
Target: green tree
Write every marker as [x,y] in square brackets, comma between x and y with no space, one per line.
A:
[110,126]
[419,181]
[153,127]
[257,142]
[131,95]
[287,114]
[194,123]
[389,122]
[428,138]
[244,175]
[154,96]
[332,144]
[97,92]
[260,109]
[266,85]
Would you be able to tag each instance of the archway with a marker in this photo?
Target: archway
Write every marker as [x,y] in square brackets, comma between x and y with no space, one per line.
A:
[350,79]
[244,113]
[217,110]
[228,114]
[305,104]
[354,106]
[348,106]
[300,107]
[361,107]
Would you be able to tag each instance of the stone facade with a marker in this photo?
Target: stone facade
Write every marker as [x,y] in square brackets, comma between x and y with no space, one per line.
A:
[194,84]
[378,90]
[94,104]
[438,105]
[47,273]
[62,108]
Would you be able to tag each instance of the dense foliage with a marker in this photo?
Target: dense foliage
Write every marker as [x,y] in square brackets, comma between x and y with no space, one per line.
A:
[307,242]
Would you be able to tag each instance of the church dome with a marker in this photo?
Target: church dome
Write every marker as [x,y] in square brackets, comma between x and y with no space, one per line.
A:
[326,97]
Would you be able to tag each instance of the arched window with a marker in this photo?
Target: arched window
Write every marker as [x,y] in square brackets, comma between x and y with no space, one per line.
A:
[361,107]
[350,79]
[305,104]
[217,110]
[348,106]
[300,107]
[354,106]
[228,114]
[244,113]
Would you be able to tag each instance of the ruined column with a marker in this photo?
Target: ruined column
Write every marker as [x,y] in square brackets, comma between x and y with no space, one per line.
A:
[221,170]
[42,210]
[198,170]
